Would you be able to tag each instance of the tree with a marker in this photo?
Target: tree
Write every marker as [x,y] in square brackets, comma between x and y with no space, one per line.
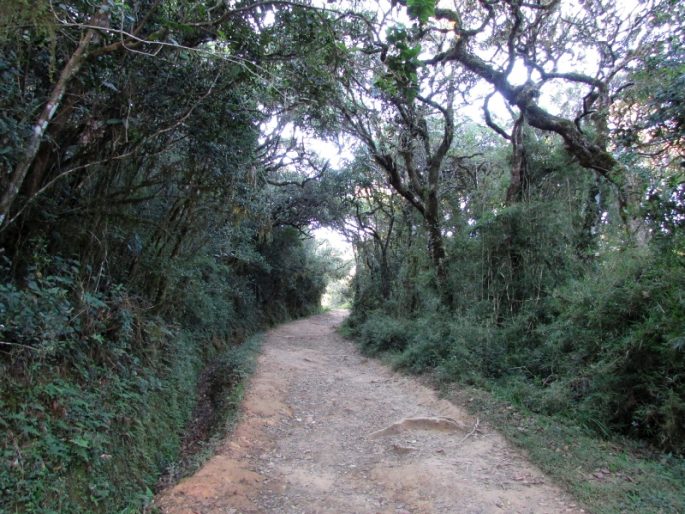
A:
[371,212]
[111,35]
[492,40]
[373,97]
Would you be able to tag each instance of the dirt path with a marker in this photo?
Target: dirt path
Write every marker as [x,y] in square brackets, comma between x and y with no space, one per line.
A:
[325,430]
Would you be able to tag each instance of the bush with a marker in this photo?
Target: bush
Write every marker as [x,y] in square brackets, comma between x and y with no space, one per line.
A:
[381,333]
[623,330]
[94,396]
[92,438]
[97,386]
[607,350]
[428,346]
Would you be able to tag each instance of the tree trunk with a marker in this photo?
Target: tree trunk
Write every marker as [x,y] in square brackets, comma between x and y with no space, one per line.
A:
[24,165]
[436,243]
[592,212]
[385,273]
[519,165]
[436,248]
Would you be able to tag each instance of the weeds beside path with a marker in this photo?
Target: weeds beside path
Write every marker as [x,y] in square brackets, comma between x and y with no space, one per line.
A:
[617,476]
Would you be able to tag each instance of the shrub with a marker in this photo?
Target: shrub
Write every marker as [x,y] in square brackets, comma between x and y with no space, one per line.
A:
[381,333]
[97,387]
[606,349]
[622,328]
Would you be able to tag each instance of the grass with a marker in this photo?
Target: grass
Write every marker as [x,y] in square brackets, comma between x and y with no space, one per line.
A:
[606,476]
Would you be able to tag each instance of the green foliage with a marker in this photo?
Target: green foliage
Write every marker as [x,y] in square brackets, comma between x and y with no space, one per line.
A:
[567,376]
[606,350]
[558,312]
[229,370]
[402,64]
[620,332]
[519,254]
[428,347]
[657,92]
[607,477]
[420,10]
[149,234]
[338,294]
[146,246]
[208,296]
[297,275]
[91,419]
[96,392]
[382,333]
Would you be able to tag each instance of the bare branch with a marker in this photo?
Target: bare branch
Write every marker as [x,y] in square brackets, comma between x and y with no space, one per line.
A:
[488,119]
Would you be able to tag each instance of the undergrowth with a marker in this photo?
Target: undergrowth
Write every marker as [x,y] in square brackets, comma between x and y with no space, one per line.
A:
[98,390]
[221,391]
[93,437]
[594,368]
[607,476]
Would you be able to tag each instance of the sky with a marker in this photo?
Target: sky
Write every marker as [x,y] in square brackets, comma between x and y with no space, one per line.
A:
[335,240]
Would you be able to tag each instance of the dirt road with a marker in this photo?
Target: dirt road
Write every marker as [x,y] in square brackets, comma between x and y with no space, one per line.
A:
[325,430]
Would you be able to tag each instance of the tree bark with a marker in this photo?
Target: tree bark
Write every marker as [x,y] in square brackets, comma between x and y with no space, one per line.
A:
[24,165]
[519,165]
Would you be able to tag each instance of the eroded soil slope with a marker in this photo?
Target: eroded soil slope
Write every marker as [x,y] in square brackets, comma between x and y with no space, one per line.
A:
[325,430]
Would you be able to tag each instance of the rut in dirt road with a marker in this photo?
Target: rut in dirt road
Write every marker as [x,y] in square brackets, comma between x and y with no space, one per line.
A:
[324,430]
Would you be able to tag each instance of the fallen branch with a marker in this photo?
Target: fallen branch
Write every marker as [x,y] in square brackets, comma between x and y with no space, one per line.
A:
[473,431]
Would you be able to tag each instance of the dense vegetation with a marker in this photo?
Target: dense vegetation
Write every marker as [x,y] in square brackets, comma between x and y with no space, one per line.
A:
[515,200]
[538,253]
[143,242]
[503,252]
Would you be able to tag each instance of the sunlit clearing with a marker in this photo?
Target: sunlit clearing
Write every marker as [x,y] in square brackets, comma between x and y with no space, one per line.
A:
[338,292]
[335,240]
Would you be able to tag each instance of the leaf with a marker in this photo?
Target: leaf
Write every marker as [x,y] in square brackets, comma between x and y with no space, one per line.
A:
[93,301]
[678,343]
[81,442]
[396,34]
[421,9]
[410,53]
